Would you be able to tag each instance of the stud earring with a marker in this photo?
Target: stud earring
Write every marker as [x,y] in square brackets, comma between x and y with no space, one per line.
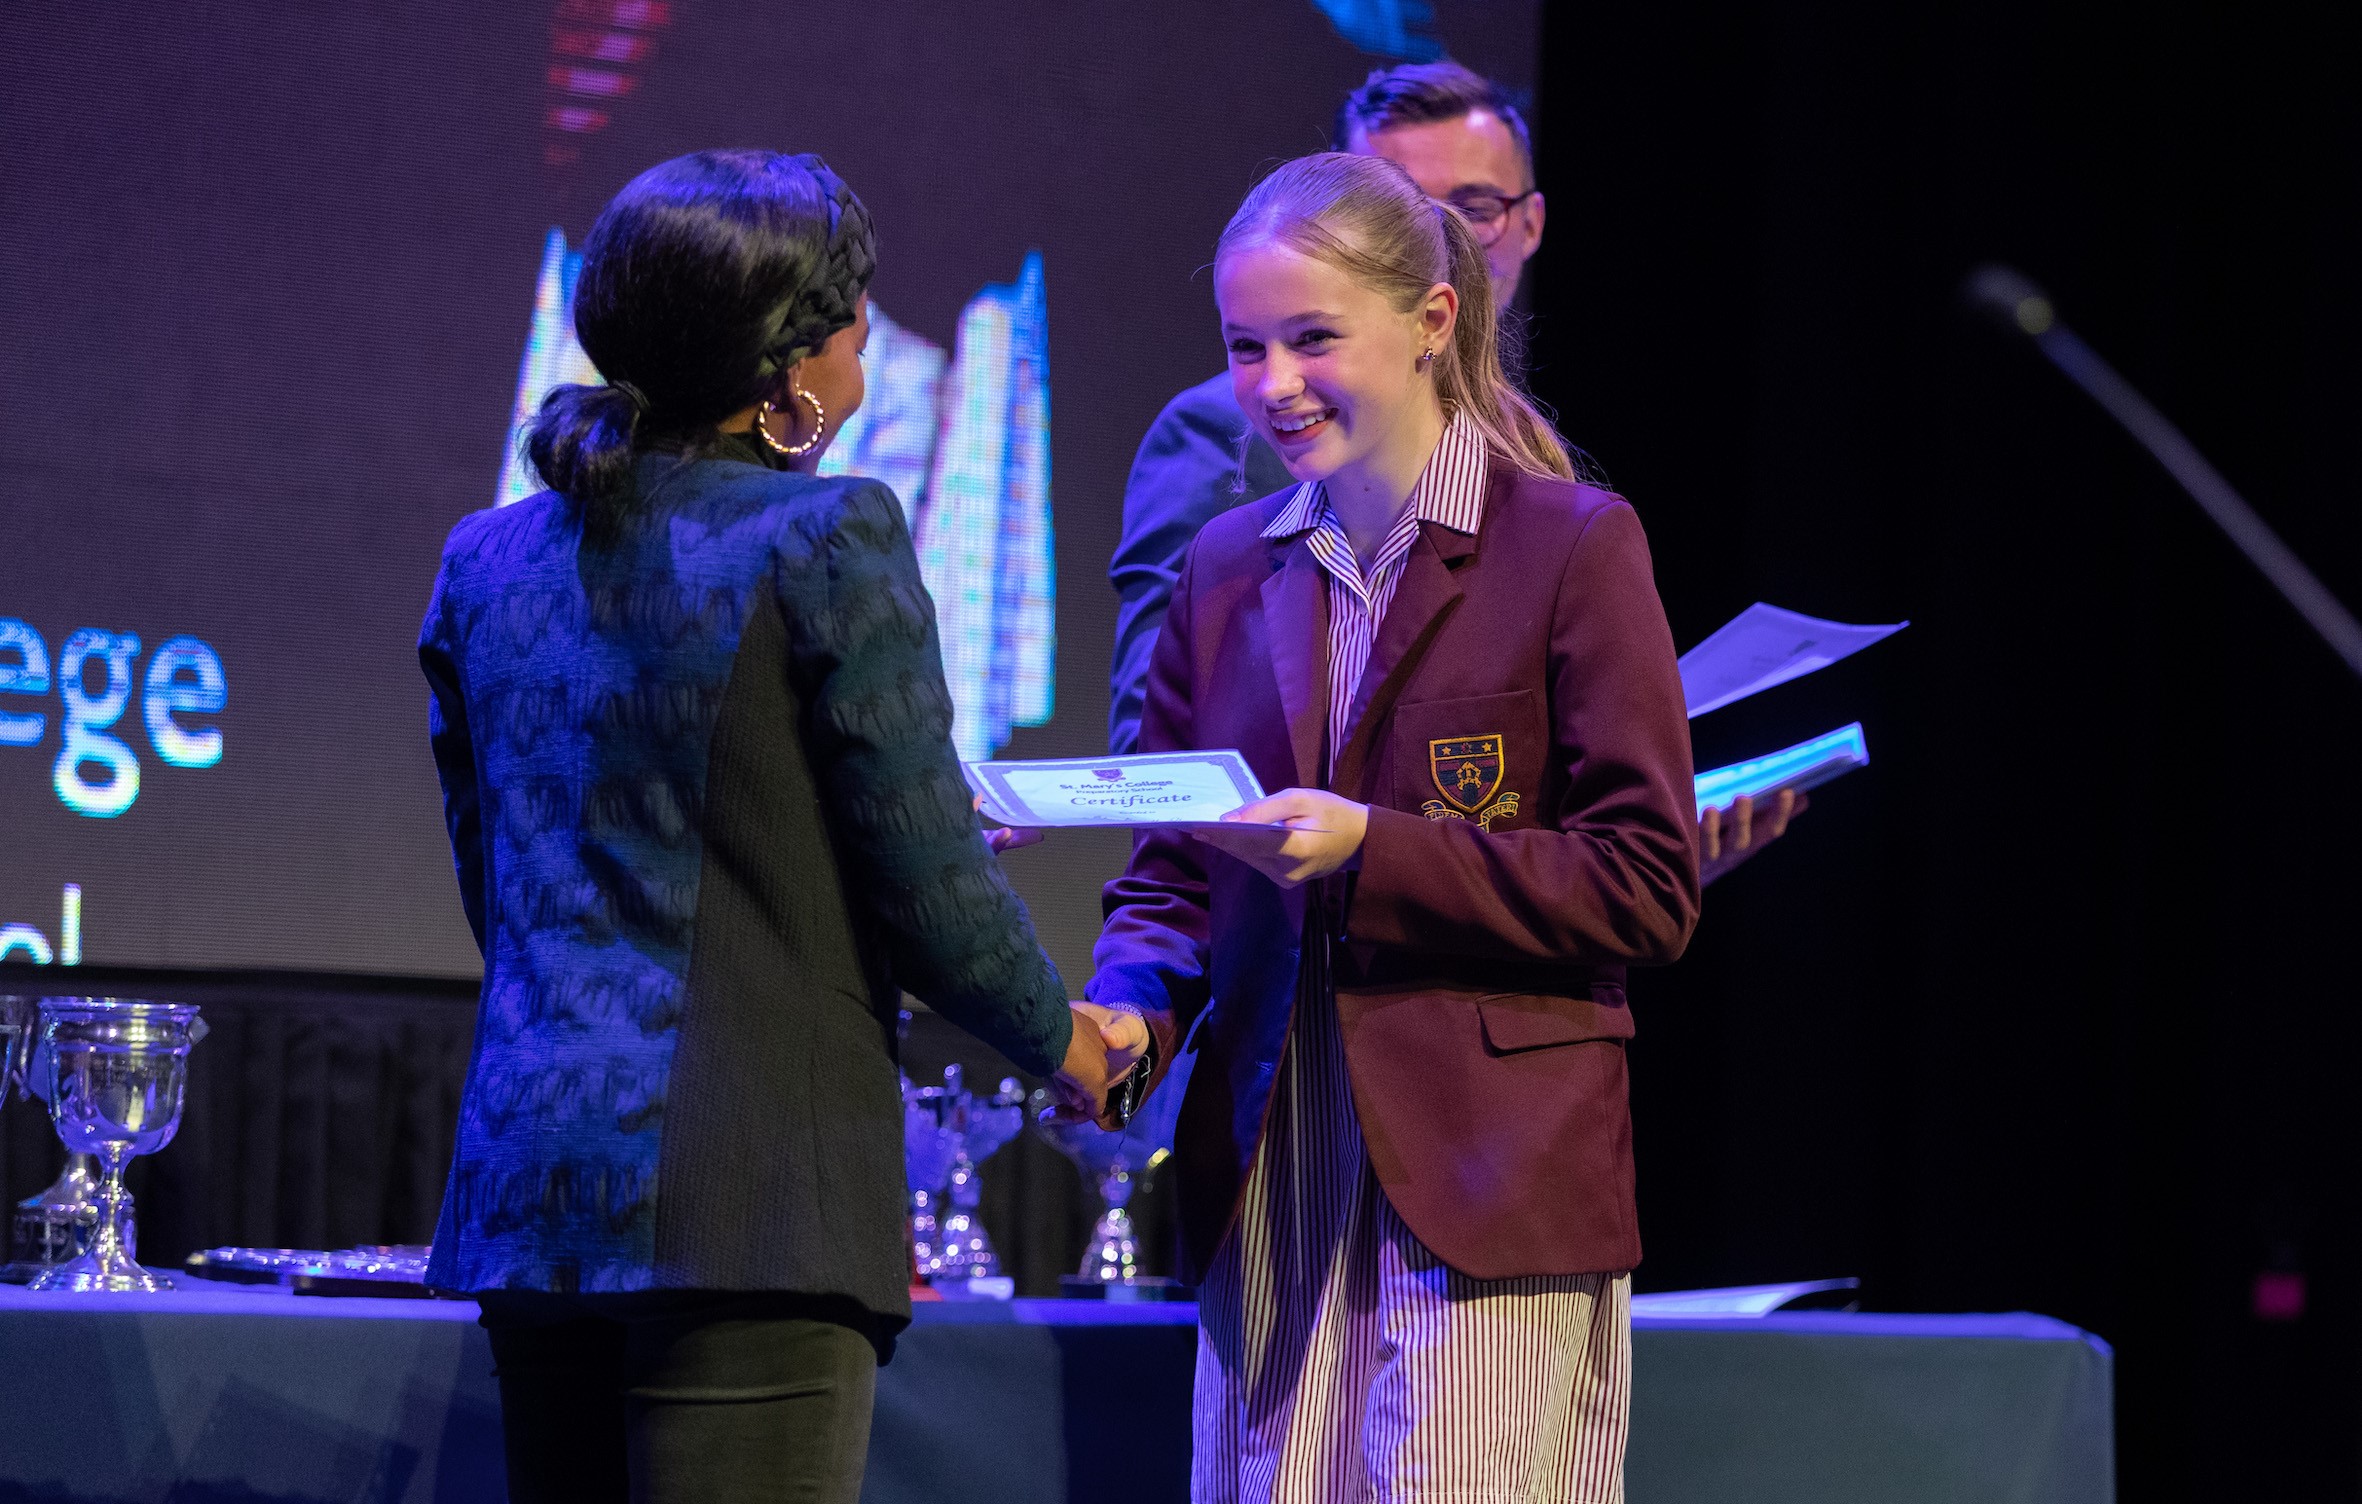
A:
[1426,359]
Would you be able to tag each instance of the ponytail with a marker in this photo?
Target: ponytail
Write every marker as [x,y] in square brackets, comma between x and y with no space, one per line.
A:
[1471,378]
[582,445]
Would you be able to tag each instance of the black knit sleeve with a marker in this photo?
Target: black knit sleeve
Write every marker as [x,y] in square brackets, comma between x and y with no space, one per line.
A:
[863,645]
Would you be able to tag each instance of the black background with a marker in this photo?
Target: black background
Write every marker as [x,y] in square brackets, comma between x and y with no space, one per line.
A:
[2052,1007]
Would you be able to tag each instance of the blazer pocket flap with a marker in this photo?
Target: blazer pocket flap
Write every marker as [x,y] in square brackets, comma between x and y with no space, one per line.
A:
[1513,1023]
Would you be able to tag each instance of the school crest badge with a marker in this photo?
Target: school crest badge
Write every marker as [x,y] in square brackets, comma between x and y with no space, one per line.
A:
[1467,770]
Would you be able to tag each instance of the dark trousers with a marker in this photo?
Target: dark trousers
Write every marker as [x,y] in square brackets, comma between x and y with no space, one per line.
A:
[681,1397]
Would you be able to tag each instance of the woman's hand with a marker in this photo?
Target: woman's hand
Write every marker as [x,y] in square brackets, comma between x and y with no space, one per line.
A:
[1006,837]
[1324,835]
[1723,843]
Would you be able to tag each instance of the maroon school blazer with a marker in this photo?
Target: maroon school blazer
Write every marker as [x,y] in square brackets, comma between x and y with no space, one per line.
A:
[1521,742]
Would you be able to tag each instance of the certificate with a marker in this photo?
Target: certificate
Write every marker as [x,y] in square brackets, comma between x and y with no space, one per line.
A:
[1150,789]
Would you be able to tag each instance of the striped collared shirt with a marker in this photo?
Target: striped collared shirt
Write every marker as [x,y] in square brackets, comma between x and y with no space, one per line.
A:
[1450,492]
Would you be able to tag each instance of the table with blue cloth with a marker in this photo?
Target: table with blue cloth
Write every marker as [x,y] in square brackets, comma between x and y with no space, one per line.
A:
[211,1395]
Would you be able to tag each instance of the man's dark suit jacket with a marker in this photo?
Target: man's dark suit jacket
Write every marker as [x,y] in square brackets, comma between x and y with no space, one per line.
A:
[1200,459]
[1480,972]
[708,822]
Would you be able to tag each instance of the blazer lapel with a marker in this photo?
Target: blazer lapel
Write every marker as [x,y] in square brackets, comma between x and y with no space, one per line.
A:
[1295,617]
[1422,601]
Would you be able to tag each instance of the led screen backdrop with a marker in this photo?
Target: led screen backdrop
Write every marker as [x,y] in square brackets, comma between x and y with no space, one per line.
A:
[278,281]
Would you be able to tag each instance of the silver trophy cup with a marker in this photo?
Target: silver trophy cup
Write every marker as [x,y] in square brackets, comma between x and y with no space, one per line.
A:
[51,1225]
[20,1017]
[986,1123]
[118,1075]
[948,1131]
[1117,1164]
[930,1141]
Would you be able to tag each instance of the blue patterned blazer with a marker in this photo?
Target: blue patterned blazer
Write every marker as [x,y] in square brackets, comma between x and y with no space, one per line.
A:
[708,823]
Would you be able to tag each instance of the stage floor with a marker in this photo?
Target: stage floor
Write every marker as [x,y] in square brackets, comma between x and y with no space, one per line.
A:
[213,1395]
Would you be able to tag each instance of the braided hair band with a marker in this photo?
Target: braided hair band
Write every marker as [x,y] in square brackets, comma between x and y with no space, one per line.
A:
[832,299]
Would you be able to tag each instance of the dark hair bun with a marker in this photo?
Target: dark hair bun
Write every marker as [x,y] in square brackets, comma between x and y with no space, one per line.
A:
[583,442]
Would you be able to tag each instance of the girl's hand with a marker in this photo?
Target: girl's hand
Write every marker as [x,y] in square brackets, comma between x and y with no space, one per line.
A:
[1107,1044]
[1324,835]
[1725,841]
[1123,1032]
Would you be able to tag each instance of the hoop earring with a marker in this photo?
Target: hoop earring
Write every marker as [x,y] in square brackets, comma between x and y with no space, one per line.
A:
[819,426]
[1426,359]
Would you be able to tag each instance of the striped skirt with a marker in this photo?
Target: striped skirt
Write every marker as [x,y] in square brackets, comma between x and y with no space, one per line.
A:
[1339,1361]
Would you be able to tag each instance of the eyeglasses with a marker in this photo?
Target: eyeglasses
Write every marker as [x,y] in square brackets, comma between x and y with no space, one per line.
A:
[1488,213]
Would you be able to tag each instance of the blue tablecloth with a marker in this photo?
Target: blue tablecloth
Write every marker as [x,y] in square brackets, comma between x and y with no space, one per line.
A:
[207,1397]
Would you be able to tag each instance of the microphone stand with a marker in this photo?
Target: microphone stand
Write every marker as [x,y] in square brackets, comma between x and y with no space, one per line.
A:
[2022,307]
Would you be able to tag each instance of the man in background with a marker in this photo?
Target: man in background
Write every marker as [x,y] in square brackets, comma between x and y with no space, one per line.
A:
[1460,137]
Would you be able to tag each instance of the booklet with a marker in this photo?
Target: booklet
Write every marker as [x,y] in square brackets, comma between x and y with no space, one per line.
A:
[1763,646]
[1149,789]
[1807,765]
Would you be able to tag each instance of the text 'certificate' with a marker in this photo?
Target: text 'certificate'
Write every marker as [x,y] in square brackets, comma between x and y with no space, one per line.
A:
[1149,789]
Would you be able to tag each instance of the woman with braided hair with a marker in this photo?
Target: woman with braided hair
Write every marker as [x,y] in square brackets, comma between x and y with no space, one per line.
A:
[694,739]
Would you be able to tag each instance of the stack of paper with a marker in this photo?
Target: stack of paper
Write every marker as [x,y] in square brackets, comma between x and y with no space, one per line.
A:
[1763,646]
[1760,647]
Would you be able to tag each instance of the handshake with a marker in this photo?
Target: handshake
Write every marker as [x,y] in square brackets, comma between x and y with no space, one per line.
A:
[1107,1046]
